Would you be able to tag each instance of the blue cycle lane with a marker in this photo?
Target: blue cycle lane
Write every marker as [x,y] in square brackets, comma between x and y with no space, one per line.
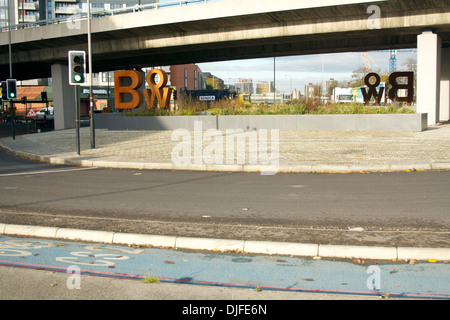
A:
[285,273]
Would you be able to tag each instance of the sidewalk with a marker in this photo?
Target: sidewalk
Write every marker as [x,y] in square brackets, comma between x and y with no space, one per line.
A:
[304,152]
[318,151]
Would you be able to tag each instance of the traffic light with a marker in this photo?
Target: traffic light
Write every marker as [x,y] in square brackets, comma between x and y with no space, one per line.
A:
[44,96]
[77,67]
[4,91]
[11,88]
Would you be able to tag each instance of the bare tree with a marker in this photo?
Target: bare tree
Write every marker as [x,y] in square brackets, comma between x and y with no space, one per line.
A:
[410,65]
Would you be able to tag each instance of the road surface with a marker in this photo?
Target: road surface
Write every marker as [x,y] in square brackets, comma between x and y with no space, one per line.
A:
[359,209]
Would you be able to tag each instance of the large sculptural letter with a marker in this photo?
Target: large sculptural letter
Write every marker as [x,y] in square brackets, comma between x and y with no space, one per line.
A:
[409,86]
[157,90]
[126,89]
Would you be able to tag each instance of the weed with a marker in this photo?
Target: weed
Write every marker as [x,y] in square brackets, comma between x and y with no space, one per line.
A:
[150,279]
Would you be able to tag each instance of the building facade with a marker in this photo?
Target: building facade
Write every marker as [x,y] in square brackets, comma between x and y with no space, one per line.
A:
[264,87]
[213,82]
[27,11]
[187,76]
[244,86]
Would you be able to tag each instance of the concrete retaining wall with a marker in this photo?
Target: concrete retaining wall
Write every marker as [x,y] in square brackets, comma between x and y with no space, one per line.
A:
[350,122]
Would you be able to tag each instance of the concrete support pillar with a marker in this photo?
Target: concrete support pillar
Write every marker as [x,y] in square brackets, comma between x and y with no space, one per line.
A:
[444,112]
[429,75]
[63,98]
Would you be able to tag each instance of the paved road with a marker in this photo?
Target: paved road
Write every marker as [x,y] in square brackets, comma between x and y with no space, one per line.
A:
[394,209]
[404,209]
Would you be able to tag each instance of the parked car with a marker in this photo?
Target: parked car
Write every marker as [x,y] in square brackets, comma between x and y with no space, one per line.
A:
[46,112]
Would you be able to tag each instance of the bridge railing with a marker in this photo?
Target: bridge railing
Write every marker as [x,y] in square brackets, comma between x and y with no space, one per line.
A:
[79,16]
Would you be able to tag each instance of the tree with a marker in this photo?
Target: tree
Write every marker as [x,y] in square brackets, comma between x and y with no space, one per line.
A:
[410,65]
[358,77]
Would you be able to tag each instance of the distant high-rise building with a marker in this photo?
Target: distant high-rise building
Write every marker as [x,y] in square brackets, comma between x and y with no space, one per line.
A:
[27,11]
[4,4]
[330,85]
[264,87]
[244,86]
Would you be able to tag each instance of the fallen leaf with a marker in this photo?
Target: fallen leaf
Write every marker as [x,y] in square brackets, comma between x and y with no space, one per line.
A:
[359,261]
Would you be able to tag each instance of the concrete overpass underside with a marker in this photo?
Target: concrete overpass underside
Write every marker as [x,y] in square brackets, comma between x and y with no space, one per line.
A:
[226,30]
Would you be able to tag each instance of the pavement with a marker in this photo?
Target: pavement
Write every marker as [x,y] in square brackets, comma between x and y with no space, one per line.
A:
[299,151]
[318,151]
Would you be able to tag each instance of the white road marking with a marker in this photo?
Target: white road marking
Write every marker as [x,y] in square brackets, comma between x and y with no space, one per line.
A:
[44,172]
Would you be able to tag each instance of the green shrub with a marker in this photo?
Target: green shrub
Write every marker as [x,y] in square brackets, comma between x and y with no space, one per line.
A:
[189,107]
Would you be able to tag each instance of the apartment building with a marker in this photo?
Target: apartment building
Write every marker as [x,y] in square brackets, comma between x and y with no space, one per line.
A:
[244,86]
[264,87]
[27,11]
[187,76]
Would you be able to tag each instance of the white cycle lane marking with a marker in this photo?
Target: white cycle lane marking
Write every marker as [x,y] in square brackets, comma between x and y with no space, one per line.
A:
[90,259]
[94,256]
[17,247]
[97,259]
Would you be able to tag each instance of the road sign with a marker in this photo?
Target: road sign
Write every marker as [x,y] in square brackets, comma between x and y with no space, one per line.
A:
[207,98]
[32,114]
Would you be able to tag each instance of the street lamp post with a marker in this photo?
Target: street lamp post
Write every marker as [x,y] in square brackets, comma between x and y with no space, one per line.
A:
[11,102]
[91,97]
[274,78]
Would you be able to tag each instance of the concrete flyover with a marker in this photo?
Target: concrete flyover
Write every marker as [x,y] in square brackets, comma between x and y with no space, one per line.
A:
[234,29]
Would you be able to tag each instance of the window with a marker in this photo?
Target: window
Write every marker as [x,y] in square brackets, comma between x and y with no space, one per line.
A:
[186,78]
[195,79]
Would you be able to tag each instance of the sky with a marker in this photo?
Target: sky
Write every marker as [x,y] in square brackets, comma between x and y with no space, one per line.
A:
[295,72]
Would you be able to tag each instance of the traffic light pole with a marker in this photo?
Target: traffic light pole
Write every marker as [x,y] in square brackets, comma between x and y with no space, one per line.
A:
[77,68]
[13,120]
[77,117]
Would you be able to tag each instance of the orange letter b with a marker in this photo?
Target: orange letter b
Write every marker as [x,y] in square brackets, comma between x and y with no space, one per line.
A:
[123,89]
